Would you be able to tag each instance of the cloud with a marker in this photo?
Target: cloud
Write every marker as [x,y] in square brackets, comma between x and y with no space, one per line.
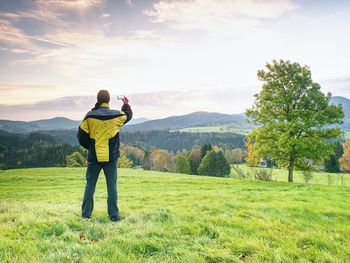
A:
[214,16]
[56,13]
[85,53]
[19,51]
[37,38]
[20,93]
[337,86]
[105,16]
[130,3]
[80,5]
[13,36]
[149,104]
[107,25]
[95,60]
[36,14]
[52,12]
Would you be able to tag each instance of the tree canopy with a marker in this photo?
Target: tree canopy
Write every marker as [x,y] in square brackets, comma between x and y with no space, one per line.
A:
[293,116]
[214,164]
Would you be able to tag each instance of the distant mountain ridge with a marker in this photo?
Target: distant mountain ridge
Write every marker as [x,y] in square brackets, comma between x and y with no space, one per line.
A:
[195,119]
[185,121]
[57,123]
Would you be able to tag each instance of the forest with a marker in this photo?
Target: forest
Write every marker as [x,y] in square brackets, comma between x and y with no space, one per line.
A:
[33,150]
[50,148]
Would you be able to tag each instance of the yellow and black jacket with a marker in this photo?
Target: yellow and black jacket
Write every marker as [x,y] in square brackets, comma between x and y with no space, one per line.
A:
[99,132]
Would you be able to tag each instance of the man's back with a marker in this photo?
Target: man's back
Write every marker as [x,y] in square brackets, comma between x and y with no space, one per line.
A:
[102,126]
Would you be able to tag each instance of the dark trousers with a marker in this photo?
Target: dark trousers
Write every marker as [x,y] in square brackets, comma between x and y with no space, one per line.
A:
[92,173]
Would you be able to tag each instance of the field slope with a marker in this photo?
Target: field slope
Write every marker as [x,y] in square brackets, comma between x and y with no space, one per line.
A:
[171,218]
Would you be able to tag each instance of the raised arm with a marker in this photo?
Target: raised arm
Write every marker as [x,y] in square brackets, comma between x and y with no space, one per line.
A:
[127,109]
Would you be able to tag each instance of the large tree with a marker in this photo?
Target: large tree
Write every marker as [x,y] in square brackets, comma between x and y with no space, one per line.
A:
[293,117]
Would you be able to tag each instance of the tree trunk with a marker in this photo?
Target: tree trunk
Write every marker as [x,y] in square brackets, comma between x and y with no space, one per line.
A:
[290,171]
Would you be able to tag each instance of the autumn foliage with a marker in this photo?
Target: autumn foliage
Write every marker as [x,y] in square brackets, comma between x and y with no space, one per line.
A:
[345,159]
[252,158]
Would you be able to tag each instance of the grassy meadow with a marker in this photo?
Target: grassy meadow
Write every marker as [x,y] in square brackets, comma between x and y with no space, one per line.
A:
[171,218]
[281,175]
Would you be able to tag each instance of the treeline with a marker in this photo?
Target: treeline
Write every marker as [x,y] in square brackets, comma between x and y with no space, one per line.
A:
[205,160]
[176,141]
[171,141]
[150,150]
[60,148]
[33,150]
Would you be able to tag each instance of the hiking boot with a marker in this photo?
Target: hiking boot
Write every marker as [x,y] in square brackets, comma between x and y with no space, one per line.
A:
[115,218]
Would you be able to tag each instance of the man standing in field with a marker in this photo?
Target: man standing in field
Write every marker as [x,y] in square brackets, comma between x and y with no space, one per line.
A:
[99,133]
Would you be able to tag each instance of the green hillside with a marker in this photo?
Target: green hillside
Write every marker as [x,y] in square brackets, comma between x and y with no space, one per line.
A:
[238,129]
[171,218]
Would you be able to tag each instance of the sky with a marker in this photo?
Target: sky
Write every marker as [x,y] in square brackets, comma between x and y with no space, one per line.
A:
[169,57]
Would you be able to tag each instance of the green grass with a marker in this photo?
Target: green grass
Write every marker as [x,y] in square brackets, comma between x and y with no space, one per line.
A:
[171,218]
[281,175]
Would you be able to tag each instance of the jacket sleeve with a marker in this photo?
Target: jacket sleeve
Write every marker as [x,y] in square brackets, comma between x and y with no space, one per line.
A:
[83,134]
[128,112]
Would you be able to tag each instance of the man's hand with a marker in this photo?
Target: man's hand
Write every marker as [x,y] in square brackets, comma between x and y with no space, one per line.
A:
[125,100]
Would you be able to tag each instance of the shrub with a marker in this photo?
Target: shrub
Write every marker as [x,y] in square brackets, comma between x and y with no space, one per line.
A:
[147,164]
[75,160]
[234,156]
[214,164]
[162,160]
[239,173]
[182,165]
[124,161]
[330,178]
[263,174]
[135,154]
[308,175]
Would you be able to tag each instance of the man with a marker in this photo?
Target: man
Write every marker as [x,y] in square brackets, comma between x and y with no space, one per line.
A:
[99,133]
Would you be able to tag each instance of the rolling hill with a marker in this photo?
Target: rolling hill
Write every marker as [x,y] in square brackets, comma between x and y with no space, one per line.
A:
[57,123]
[218,121]
[194,119]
